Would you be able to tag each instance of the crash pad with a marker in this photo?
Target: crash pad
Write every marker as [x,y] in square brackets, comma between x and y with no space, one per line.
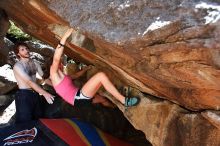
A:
[57,132]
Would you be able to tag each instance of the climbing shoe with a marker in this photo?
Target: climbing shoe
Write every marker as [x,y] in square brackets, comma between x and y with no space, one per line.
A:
[132,101]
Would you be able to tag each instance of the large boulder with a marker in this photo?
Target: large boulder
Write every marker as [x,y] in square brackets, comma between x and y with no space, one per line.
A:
[4,23]
[168,49]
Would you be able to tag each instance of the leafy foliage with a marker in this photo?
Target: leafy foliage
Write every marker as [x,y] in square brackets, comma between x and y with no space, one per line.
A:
[17,33]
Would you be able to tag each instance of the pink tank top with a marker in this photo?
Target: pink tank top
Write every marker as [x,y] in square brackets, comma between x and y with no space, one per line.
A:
[66,89]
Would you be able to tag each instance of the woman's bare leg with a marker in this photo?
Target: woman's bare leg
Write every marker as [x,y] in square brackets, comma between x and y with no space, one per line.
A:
[100,79]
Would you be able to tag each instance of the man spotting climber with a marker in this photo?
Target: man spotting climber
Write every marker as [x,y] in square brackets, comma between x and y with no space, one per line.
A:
[27,98]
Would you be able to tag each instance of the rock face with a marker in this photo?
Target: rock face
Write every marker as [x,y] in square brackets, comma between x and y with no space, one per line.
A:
[4,23]
[179,61]
[168,49]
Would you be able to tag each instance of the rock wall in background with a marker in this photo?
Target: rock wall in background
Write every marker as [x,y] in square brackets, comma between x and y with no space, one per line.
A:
[167,51]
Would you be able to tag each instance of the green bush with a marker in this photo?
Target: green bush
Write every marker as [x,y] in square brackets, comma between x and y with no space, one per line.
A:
[17,33]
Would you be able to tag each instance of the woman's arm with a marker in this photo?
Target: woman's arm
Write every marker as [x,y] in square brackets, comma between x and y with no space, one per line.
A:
[59,52]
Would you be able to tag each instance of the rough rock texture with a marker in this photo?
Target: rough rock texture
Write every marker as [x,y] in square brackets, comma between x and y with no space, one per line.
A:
[169,49]
[4,23]
[179,61]
[166,124]
[6,86]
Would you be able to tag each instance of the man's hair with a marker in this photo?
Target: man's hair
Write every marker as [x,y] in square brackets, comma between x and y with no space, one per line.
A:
[17,45]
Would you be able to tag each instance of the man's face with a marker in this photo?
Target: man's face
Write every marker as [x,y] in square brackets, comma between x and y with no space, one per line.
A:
[23,52]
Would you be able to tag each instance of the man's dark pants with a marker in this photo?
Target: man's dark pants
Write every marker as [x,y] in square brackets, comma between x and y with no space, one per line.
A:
[28,105]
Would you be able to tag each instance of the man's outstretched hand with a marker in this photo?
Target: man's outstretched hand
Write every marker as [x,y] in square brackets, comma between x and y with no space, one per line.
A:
[49,98]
